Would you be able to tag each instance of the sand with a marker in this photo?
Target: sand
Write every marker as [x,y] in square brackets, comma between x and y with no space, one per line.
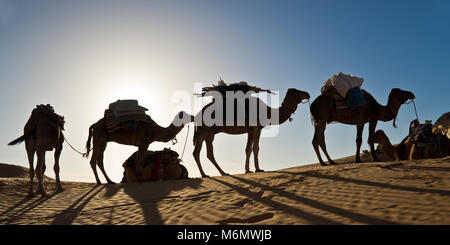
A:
[404,192]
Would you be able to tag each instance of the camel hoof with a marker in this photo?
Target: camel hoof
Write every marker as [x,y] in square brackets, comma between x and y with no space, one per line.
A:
[248,172]
[259,171]
[323,164]
[59,190]
[333,163]
[358,161]
[30,194]
[205,176]
[225,174]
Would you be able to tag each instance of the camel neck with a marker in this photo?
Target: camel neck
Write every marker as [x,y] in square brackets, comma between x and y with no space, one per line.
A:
[390,111]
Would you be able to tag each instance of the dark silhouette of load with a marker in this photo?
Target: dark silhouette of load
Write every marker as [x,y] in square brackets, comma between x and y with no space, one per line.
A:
[345,90]
[158,166]
[123,114]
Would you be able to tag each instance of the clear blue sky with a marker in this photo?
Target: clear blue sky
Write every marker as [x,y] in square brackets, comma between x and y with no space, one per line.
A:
[80,56]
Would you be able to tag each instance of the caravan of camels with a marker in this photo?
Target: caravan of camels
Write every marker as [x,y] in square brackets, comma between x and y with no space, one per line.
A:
[125,122]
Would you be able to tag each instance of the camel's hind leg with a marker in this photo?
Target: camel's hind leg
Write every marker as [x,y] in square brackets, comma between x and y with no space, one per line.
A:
[210,153]
[93,163]
[321,141]
[256,137]
[198,147]
[30,147]
[359,132]
[371,140]
[40,169]
[318,130]
[58,150]
[248,152]
[100,164]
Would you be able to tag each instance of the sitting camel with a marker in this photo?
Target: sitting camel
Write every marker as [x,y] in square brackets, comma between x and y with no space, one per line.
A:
[407,150]
[142,136]
[42,132]
[423,141]
[158,166]
[206,133]
[323,110]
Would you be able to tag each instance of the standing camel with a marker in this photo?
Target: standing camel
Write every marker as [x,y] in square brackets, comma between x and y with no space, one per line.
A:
[206,133]
[144,134]
[323,110]
[42,132]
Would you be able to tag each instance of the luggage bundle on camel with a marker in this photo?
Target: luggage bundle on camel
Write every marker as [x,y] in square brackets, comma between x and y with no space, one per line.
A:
[345,90]
[223,88]
[158,166]
[123,114]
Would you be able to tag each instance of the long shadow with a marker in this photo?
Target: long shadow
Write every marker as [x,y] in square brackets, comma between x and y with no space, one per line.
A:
[368,183]
[315,219]
[67,216]
[427,168]
[319,205]
[19,213]
[148,194]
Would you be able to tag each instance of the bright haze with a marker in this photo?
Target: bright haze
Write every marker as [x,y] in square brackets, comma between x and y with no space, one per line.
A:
[79,56]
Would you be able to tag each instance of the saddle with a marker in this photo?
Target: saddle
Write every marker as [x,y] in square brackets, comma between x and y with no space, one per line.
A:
[124,114]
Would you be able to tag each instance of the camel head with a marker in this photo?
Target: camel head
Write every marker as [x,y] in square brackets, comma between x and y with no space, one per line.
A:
[182,118]
[402,95]
[297,96]
[380,137]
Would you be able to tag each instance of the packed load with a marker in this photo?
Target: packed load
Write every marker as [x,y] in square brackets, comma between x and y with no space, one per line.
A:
[44,111]
[422,135]
[343,87]
[158,166]
[123,114]
[442,125]
[223,87]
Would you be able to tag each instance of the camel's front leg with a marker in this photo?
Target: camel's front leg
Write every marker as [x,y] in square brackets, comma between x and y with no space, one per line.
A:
[140,158]
[371,140]
[248,152]
[256,137]
[58,150]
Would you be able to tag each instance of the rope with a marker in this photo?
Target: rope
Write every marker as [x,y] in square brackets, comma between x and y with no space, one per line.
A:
[82,154]
[185,141]
[415,109]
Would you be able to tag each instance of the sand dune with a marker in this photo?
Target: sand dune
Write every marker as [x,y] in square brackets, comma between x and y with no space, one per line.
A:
[405,192]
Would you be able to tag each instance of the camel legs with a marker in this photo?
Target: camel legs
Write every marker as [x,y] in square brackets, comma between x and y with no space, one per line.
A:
[371,140]
[248,152]
[58,150]
[30,147]
[210,153]
[359,132]
[93,163]
[319,140]
[256,137]
[40,168]
[100,164]
[201,136]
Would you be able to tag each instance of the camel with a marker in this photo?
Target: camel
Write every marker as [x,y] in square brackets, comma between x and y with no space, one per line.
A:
[409,151]
[158,166]
[323,111]
[206,133]
[142,136]
[42,132]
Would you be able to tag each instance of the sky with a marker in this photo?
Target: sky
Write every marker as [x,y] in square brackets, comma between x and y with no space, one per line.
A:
[79,56]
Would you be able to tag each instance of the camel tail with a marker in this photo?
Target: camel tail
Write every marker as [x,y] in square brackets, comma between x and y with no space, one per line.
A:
[18,140]
[88,143]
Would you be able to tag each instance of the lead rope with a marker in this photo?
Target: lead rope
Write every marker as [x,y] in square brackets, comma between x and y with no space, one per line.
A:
[82,154]
[185,141]
[415,109]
